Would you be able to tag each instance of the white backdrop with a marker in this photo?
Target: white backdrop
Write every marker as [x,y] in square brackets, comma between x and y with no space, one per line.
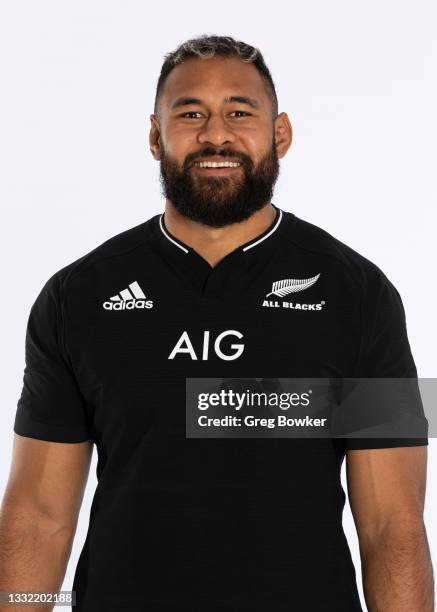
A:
[78,79]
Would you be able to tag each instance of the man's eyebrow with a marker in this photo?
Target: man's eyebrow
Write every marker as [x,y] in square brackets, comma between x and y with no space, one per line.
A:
[243,100]
[184,101]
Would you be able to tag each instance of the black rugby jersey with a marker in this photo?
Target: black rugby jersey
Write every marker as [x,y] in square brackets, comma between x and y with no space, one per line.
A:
[217,524]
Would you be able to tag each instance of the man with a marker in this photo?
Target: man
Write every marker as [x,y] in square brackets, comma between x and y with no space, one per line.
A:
[222,523]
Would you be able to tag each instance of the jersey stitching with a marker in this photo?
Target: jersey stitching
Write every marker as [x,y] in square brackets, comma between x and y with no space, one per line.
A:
[96,258]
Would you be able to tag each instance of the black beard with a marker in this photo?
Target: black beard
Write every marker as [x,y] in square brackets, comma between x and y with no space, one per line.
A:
[219,200]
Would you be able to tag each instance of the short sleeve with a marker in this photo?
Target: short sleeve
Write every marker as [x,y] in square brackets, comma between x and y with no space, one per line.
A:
[387,354]
[51,406]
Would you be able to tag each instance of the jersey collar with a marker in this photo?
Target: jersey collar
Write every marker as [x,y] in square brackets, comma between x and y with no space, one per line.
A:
[244,262]
[243,248]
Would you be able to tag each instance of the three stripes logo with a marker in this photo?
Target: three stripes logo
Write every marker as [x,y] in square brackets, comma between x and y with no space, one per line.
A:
[128,299]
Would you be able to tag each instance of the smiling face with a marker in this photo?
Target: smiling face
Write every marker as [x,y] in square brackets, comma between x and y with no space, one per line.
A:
[217,140]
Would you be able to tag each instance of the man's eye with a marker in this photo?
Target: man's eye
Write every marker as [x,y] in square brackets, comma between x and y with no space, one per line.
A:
[190,113]
[240,111]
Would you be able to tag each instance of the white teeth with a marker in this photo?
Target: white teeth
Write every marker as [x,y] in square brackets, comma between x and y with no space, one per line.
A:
[217,164]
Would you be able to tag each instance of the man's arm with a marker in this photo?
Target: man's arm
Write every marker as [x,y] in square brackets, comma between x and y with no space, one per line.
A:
[39,513]
[386,490]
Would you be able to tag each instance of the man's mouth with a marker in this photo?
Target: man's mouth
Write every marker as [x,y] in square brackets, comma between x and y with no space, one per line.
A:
[216,168]
[213,164]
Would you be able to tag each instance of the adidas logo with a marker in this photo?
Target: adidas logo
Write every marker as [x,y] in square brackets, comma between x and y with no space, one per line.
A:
[128,299]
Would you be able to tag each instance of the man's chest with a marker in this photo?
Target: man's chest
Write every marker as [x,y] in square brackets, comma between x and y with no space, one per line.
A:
[163,334]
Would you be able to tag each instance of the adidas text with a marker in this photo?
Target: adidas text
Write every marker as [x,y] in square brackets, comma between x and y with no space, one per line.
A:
[128,305]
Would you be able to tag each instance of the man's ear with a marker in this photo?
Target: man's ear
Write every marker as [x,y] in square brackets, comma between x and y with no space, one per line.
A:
[155,138]
[283,134]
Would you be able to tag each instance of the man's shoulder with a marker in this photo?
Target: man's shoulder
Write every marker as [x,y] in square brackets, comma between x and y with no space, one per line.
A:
[323,245]
[102,258]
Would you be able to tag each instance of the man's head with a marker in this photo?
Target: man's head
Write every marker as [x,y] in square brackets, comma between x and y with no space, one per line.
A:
[216,104]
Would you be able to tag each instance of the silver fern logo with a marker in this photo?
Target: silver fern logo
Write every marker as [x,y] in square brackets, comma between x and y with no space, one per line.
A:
[291,285]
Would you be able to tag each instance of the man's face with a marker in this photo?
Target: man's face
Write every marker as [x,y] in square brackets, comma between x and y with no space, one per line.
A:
[216,111]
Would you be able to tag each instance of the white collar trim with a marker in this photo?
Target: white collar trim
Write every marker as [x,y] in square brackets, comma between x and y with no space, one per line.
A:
[274,228]
[249,246]
[169,237]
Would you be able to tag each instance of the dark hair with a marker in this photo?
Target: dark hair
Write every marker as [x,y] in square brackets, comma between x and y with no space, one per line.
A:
[205,46]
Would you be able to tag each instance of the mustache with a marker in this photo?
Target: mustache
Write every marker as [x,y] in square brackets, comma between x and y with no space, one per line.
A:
[211,151]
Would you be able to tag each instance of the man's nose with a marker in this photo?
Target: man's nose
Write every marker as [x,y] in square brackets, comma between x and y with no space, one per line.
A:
[216,131]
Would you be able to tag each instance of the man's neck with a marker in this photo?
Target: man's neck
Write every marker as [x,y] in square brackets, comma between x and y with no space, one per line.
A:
[214,243]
